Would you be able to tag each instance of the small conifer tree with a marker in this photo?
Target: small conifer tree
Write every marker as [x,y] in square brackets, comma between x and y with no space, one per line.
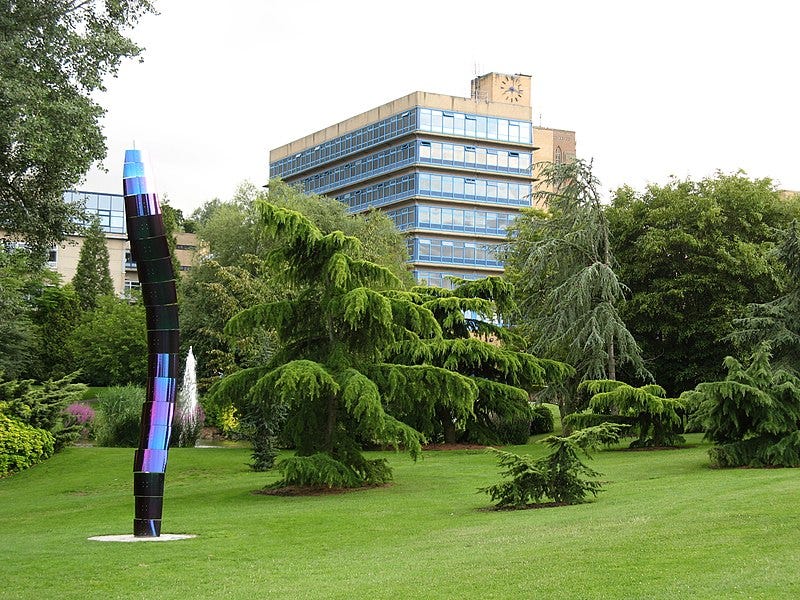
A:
[646,409]
[92,276]
[753,416]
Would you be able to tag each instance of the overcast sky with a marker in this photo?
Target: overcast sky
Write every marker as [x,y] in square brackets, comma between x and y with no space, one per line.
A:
[652,89]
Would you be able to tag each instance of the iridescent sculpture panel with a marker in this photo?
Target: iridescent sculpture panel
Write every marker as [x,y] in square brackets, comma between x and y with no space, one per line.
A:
[157,277]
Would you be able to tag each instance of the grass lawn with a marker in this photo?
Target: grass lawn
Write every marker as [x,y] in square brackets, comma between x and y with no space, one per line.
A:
[667,526]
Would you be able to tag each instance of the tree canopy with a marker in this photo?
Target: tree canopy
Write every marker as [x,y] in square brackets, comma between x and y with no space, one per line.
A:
[695,254]
[54,57]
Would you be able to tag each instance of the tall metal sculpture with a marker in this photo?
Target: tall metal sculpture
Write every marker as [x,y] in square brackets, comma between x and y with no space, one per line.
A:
[157,278]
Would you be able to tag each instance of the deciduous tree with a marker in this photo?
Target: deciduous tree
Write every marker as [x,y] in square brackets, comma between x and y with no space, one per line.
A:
[109,346]
[54,57]
[695,254]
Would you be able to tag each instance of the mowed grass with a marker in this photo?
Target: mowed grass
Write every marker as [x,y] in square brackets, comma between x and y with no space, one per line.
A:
[667,526]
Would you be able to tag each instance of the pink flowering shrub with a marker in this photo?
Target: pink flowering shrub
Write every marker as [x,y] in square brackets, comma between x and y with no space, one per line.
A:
[80,414]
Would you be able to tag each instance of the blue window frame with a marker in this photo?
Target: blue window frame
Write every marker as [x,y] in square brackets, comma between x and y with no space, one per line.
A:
[109,208]
[453,252]
[440,278]
[436,218]
[416,119]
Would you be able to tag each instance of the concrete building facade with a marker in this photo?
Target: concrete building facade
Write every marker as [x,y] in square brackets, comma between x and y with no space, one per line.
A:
[451,172]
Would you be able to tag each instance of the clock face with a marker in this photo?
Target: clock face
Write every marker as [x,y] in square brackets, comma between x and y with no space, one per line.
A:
[511,88]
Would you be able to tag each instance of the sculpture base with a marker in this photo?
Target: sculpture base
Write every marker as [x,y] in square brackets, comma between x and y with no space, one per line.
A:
[165,537]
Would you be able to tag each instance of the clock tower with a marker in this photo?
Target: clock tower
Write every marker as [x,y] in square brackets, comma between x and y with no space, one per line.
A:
[503,88]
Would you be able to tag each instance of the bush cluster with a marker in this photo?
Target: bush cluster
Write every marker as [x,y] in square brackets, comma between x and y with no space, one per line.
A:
[22,446]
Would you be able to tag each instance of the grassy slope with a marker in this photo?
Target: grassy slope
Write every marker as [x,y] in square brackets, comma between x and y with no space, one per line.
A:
[667,527]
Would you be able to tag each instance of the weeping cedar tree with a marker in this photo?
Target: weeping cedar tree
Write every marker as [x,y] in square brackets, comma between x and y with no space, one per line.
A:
[777,322]
[655,418]
[559,476]
[753,416]
[505,378]
[328,383]
[563,268]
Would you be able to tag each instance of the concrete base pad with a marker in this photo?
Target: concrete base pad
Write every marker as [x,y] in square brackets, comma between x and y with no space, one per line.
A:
[164,537]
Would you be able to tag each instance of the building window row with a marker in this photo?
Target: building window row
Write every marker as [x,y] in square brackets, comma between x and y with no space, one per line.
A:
[476,126]
[109,208]
[380,194]
[423,152]
[454,252]
[363,168]
[451,219]
[440,279]
[437,186]
[474,157]
[482,190]
[355,141]
[417,119]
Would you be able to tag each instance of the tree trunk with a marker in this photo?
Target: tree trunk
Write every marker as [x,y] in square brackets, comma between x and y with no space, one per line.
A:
[612,361]
[448,426]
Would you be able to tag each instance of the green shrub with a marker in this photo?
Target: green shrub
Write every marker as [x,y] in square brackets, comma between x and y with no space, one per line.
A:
[22,446]
[119,413]
[542,420]
[560,476]
[752,415]
[514,431]
[43,405]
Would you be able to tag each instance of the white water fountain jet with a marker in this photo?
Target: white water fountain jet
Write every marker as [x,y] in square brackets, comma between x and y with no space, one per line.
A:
[188,413]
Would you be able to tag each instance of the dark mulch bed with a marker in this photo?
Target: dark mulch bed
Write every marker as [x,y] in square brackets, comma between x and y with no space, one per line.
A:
[454,447]
[526,507]
[649,448]
[309,490]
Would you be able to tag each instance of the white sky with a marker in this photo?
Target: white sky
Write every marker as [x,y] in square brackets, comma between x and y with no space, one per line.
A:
[652,89]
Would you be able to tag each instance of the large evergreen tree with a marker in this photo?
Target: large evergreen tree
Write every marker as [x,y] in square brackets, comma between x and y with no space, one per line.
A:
[329,383]
[92,276]
[563,267]
[235,274]
[475,345]
[777,322]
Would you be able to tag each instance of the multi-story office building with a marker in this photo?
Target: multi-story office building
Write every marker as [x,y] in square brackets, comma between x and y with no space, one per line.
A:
[451,172]
[110,209]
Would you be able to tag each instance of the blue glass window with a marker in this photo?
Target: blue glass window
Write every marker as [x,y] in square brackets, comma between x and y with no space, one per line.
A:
[109,208]
[454,252]
[418,119]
